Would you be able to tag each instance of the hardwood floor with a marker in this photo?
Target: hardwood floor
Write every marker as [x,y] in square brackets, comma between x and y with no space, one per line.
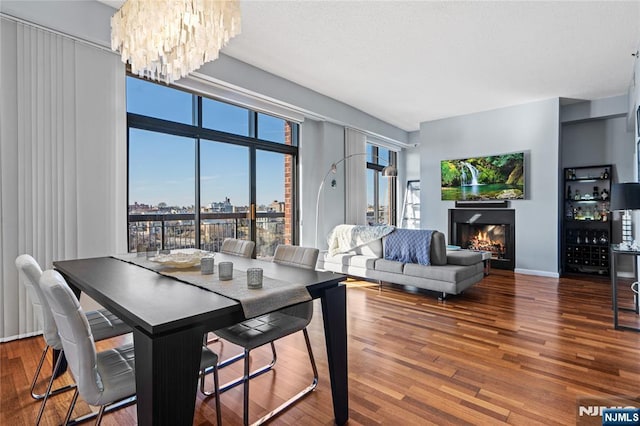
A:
[514,349]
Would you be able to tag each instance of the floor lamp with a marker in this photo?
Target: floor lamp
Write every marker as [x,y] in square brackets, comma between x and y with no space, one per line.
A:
[388,171]
[626,197]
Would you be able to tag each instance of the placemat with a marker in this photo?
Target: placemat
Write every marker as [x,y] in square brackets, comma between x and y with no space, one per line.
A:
[274,294]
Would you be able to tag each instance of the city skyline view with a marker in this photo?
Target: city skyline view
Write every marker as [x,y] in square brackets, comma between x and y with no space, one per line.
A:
[162,166]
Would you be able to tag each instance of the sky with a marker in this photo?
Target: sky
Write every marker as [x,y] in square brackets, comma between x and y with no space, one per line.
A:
[162,167]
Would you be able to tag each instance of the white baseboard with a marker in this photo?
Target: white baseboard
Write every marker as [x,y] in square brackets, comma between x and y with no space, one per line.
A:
[20,336]
[537,273]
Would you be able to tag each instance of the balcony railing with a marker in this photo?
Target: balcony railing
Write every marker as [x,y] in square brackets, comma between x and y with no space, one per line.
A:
[174,231]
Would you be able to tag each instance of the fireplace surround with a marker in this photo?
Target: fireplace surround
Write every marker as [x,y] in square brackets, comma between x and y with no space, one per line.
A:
[488,230]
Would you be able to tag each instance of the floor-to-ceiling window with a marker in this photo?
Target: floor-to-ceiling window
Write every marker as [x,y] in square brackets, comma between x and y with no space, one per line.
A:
[201,170]
[381,193]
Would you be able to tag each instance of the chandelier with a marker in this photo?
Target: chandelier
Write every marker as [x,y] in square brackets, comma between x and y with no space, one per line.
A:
[167,39]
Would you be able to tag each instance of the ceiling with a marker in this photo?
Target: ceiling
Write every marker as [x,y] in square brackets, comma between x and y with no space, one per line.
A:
[406,62]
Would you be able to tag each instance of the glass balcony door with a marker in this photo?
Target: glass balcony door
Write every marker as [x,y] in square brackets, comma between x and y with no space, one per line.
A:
[274,196]
[225,199]
[161,190]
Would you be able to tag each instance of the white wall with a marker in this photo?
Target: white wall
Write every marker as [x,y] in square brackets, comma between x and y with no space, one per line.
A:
[533,128]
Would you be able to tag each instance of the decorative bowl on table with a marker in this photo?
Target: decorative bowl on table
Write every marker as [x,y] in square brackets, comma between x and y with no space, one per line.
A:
[180,259]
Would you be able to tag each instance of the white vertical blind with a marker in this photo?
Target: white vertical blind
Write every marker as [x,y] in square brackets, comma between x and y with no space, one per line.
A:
[63,142]
[355,142]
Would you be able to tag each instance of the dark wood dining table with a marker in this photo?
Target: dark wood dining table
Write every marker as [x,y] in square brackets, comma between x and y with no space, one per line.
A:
[169,319]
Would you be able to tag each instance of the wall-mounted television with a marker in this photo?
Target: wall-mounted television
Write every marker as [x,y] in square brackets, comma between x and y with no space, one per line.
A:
[496,177]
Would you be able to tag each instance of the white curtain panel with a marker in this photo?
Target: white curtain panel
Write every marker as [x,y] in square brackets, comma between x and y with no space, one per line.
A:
[355,142]
[63,158]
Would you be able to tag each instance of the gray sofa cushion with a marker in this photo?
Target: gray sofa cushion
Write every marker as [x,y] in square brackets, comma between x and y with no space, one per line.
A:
[367,262]
[389,266]
[463,257]
[450,273]
[438,254]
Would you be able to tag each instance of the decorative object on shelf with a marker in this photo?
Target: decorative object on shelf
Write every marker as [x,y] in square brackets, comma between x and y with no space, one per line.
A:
[626,197]
[166,40]
[389,171]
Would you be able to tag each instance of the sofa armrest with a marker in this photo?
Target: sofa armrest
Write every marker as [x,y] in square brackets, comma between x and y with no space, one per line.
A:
[463,257]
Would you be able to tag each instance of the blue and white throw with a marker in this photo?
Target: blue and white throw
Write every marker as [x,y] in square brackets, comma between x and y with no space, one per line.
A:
[345,238]
[409,246]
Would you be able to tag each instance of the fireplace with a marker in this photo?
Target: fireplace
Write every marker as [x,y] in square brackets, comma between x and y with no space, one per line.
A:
[487,230]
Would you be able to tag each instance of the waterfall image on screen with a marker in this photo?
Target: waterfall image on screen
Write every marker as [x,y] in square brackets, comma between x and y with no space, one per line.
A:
[497,177]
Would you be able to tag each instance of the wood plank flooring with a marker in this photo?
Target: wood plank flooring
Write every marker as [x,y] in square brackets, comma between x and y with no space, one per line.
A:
[514,349]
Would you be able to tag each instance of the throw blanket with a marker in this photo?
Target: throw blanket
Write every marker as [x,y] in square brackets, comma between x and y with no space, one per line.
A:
[344,238]
[409,246]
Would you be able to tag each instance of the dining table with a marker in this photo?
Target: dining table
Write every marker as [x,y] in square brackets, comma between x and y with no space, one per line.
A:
[169,318]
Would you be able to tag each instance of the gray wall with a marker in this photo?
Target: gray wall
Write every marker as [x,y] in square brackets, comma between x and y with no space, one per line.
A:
[533,128]
[604,141]
[323,145]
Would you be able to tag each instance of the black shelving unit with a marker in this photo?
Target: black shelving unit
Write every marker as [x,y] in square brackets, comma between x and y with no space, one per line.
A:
[587,219]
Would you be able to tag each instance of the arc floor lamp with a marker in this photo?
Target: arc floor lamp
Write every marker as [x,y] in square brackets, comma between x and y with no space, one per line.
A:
[388,171]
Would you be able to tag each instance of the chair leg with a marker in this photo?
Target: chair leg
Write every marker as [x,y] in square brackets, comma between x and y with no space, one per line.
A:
[215,391]
[47,394]
[99,418]
[203,374]
[246,378]
[216,385]
[39,396]
[254,373]
[72,405]
[37,373]
[300,394]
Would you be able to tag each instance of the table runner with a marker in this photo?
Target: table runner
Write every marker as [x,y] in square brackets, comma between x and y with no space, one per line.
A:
[273,295]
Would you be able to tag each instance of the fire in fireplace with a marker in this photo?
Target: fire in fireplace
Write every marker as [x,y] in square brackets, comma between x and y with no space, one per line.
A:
[486,238]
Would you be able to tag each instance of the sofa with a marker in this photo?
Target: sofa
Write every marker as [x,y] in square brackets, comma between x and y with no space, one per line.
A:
[449,272]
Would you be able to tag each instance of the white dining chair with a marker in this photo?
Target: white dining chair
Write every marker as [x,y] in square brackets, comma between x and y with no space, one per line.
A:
[106,377]
[242,248]
[103,325]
